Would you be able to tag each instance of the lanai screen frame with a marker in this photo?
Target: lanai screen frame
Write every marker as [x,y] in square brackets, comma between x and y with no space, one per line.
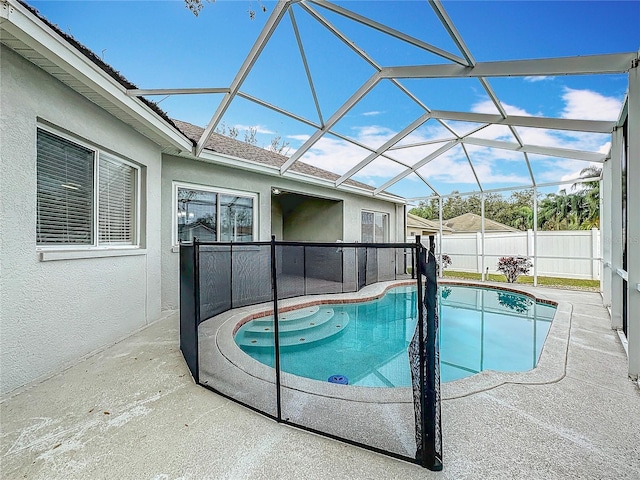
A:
[463,65]
[458,66]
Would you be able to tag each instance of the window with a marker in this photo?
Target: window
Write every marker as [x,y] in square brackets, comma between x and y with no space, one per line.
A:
[213,215]
[375,227]
[85,197]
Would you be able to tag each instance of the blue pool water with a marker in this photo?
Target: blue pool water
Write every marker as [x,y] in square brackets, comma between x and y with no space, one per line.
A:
[480,329]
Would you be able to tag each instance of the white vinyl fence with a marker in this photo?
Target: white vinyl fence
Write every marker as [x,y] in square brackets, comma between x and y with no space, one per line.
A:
[568,253]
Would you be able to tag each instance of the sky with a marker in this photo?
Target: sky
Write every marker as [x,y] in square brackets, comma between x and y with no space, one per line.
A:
[160,44]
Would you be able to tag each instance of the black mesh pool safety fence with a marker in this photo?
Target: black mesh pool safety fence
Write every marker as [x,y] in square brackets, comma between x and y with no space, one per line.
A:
[313,335]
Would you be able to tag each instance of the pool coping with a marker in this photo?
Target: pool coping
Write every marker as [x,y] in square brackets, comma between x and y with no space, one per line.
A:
[550,367]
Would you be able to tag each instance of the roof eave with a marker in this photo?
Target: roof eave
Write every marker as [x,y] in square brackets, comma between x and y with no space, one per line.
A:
[41,41]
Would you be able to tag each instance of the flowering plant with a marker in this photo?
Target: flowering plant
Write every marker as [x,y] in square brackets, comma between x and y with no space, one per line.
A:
[513,267]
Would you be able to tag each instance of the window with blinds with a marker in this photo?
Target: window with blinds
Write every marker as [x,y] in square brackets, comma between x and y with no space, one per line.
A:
[65,198]
[116,202]
[84,197]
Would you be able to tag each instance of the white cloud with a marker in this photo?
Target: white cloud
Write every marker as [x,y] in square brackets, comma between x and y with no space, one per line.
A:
[373,135]
[259,129]
[334,155]
[372,113]
[493,166]
[299,138]
[589,105]
[487,106]
[540,78]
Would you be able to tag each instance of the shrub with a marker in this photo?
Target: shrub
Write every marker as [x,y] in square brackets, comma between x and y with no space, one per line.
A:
[446,261]
[513,267]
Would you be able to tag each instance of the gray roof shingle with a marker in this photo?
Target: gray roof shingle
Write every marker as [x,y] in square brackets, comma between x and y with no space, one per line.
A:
[229,146]
[217,143]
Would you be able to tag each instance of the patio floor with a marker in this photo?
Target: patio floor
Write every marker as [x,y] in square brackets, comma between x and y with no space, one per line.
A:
[132,411]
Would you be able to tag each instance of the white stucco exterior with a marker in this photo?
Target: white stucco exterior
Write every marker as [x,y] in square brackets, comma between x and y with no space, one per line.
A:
[179,169]
[59,305]
[54,312]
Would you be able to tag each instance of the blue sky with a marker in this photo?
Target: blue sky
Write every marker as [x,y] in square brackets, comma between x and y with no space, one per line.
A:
[160,44]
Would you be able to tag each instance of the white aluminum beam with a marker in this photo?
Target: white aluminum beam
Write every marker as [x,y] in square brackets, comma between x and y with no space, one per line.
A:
[271,170]
[266,33]
[533,178]
[483,248]
[389,31]
[475,175]
[633,222]
[335,118]
[435,192]
[615,209]
[303,56]
[421,144]
[352,45]
[364,54]
[389,143]
[363,146]
[534,200]
[507,189]
[441,270]
[368,148]
[595,126]
[547,151]
[586,65]
[451,28]
[418,165]
[605,228]
[624,111]
[360,52]
[492,95]
[277,109]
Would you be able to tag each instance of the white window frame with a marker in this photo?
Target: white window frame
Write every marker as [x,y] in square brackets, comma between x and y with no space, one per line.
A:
[386,224]
[48,252]
[218,191]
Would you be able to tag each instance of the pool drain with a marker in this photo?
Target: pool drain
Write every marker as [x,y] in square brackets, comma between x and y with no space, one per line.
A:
[339,379]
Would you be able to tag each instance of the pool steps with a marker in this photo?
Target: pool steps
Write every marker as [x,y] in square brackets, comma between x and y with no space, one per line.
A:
[298,327]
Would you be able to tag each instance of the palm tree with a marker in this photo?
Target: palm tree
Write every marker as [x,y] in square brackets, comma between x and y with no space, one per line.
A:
[590,191]
[523,218]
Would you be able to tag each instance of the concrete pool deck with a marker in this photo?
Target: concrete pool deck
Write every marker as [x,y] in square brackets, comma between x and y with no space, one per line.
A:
[131,411]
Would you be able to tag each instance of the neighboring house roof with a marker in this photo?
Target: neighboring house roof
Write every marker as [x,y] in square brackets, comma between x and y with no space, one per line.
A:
[414,221]
[235,148]
[470,222]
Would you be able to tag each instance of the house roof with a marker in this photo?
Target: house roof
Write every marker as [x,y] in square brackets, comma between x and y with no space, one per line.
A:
[418,222]
[470,222]
[117,76]
[229,146]
[26,32]
[42,42]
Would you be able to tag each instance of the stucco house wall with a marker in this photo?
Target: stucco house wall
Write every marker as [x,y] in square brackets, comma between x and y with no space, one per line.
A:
[315,219]
[53,312]
[58,305]
[190,171]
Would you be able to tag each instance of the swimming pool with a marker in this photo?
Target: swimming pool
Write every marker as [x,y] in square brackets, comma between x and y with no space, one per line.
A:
[480,329]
